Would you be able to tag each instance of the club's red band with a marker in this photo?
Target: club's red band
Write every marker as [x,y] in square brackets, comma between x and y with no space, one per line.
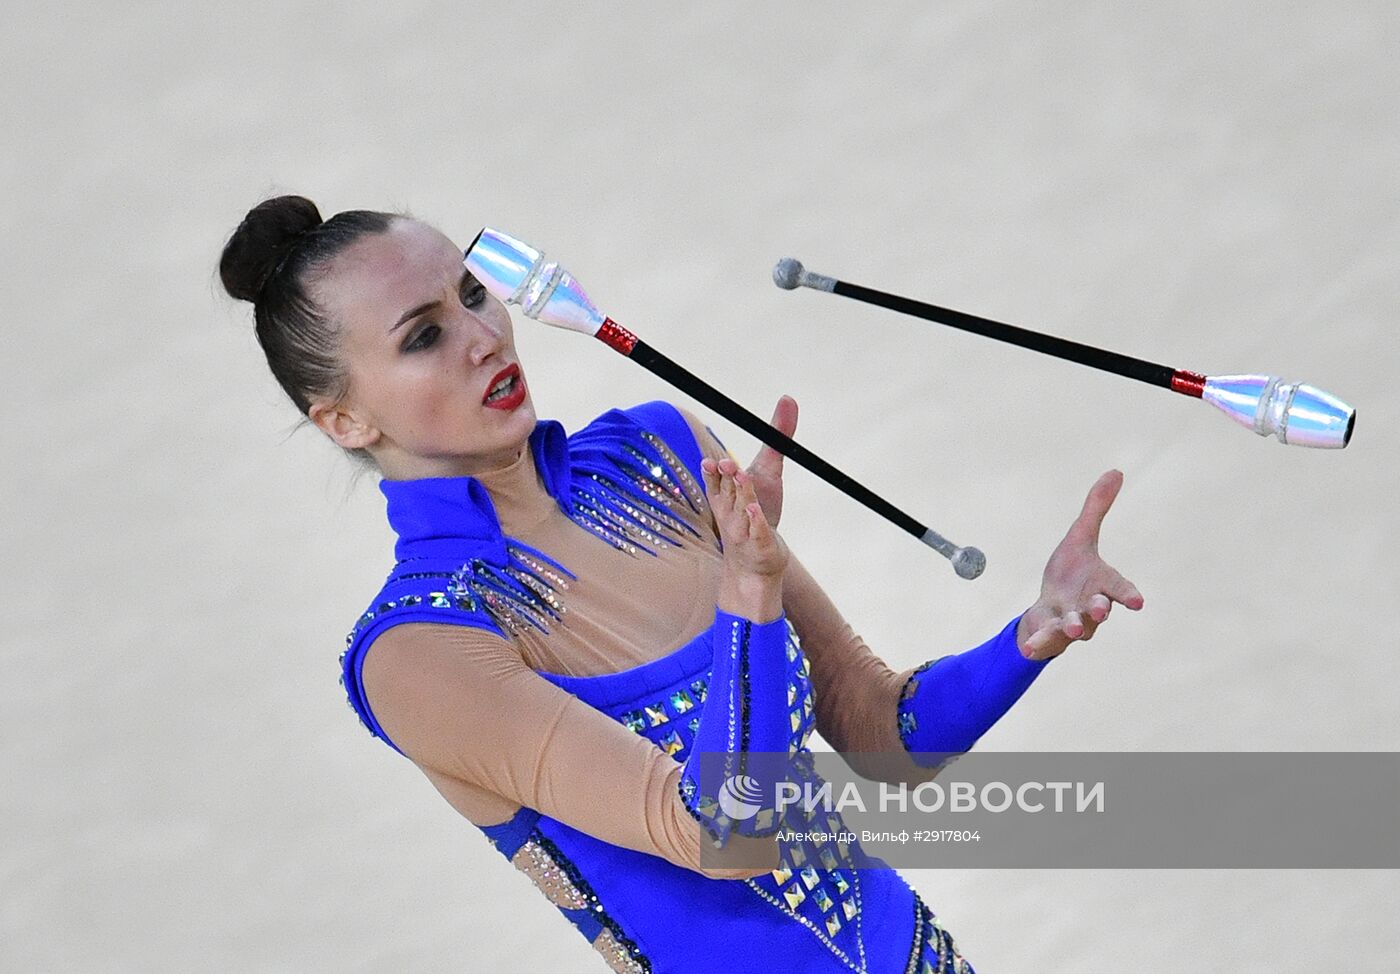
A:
[616,337]
[1188,383]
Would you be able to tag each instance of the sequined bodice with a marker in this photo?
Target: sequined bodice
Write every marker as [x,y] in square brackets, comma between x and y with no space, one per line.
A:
[663,701]
[636,490]
[826,908]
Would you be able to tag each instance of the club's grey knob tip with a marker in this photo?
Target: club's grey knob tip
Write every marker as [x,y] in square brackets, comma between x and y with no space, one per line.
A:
[787,273]
[969,562]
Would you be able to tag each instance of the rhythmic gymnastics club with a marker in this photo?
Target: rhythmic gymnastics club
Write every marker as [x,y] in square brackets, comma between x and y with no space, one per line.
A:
[516,273]
[1299,414]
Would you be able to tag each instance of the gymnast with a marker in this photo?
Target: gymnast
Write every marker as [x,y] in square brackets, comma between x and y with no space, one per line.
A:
[570,620]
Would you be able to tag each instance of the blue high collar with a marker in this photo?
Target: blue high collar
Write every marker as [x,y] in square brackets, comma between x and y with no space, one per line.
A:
[454,517]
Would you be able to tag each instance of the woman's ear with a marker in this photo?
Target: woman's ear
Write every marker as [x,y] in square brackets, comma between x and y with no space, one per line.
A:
[342,425]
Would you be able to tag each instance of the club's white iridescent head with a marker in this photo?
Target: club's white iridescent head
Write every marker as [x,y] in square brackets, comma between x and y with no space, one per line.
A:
[517,273]
[1297,413]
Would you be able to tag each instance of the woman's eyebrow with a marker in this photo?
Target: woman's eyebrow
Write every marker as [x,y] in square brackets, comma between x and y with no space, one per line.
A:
[427,305]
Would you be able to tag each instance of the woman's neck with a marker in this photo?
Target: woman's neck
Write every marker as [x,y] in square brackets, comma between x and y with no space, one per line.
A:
[518,493]
[519,489]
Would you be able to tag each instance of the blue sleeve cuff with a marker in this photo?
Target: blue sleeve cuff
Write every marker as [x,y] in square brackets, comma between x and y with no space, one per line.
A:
[754,704]
[947,704]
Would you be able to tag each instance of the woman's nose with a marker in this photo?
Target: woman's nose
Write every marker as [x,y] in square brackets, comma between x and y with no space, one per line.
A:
[485,339]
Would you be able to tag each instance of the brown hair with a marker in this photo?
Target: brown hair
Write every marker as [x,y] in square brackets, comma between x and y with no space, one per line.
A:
[269,260]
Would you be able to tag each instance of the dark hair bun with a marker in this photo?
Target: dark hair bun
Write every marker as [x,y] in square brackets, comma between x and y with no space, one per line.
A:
[266,235]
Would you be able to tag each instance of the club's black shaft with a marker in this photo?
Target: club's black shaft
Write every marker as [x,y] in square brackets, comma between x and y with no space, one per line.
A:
[693,385]
[1133,368]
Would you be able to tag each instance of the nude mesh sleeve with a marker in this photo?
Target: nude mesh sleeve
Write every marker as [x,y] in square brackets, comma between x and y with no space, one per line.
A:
[906,721]
[461,703]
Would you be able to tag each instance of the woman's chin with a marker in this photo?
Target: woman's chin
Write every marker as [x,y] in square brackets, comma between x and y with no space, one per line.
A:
[525,414]
[521,423]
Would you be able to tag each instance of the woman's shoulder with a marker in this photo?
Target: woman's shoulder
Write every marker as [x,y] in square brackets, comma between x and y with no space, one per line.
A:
[430,594]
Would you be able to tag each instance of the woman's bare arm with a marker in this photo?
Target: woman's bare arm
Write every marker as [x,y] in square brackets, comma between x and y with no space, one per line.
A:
[461,703]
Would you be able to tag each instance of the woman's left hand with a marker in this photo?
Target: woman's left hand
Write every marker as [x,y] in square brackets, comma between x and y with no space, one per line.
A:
[1078,588]
[766,471]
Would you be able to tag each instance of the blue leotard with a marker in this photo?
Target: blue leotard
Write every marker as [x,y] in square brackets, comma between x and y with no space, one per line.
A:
[740,686]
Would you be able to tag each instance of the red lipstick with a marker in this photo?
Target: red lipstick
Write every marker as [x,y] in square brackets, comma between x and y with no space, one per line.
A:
[514,397]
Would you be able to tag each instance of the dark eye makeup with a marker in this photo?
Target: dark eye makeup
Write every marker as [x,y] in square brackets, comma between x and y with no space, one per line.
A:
[472,294]
[426,336]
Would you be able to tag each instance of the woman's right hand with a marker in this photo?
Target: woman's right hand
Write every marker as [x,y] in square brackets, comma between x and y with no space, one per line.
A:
[754,555]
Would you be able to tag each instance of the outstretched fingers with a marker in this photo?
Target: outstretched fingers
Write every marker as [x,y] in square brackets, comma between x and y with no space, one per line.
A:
[1100,606]
[1096,504]
[1040,642]
[1122,591]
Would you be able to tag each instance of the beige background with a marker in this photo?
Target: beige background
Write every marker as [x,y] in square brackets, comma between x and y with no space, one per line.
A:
[1207,185]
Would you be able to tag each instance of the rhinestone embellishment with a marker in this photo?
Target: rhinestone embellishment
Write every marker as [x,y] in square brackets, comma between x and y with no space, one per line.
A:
[564,886]
[644,504]
[620,957]
[824,931]
[634,502]
[934,951]
[532,859]
[519,596]
[808,887]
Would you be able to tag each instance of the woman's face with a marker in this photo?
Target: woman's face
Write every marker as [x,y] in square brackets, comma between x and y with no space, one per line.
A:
[425,347]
